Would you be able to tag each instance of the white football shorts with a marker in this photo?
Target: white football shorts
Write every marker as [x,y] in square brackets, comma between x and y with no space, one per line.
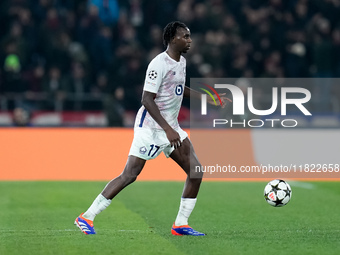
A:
[149,143]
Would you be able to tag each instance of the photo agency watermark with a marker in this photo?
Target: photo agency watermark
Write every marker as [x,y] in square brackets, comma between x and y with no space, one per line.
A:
[271,127]
[288,96]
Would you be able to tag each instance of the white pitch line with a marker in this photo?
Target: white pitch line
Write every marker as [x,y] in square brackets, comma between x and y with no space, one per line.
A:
[132,230]
[304,185]
[62,230]
[37,230]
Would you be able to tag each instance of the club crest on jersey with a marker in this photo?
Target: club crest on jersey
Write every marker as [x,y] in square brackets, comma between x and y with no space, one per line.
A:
[152,74]
[142,150]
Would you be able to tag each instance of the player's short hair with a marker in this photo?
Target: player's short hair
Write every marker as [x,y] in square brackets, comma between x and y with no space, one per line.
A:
[170,31]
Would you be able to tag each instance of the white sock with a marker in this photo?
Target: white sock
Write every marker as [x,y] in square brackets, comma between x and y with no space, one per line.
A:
[185,209]
[98,205]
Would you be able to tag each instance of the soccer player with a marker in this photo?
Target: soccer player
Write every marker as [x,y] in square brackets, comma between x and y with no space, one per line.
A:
[156,129]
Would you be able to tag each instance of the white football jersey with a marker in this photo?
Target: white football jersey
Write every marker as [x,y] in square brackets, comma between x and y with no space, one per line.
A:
[166,78]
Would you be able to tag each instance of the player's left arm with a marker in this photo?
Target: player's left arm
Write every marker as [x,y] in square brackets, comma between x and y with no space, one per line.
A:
[188,92]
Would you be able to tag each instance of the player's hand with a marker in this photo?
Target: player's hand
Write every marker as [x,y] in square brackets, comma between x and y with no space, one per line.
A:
[223,98]
[174,138]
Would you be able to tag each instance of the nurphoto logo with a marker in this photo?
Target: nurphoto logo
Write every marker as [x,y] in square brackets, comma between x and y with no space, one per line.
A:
[238,102]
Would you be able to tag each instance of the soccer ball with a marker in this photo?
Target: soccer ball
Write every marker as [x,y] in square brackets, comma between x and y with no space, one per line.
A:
[277,193]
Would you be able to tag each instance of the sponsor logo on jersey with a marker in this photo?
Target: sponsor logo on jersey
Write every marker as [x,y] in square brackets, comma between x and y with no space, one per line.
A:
[179,90]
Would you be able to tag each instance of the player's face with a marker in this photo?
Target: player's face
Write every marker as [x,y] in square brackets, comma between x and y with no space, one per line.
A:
[183,39]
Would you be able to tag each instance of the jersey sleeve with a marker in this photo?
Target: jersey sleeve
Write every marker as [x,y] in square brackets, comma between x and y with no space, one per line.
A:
[154,75]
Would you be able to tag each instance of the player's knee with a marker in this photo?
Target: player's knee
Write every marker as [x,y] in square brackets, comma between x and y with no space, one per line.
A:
[195,172]
[196,177]
[128,178]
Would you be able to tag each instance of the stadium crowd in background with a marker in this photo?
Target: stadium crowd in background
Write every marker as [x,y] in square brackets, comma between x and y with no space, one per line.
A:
[91,48]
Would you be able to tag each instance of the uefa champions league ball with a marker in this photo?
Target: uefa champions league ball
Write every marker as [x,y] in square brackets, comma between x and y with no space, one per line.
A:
[277,193]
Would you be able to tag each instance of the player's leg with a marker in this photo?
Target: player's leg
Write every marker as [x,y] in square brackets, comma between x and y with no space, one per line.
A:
[186,158]
[133,167]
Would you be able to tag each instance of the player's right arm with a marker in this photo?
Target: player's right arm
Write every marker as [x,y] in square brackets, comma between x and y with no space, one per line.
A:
[188,92]
[150,105]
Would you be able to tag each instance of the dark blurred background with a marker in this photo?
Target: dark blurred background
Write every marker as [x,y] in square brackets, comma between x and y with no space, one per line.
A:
[83,62]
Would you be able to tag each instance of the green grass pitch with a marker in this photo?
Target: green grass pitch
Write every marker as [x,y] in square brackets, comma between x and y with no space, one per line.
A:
[37,218]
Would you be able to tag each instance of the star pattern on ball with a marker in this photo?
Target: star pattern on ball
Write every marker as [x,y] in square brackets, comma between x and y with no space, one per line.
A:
[277,193]
[152,74]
